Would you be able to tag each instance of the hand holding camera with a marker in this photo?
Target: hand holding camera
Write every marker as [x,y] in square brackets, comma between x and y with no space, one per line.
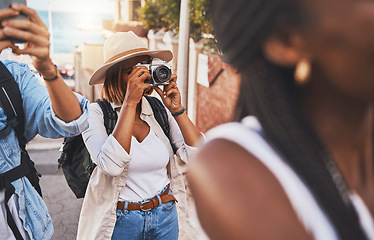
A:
[136,84]
[160,72]
[145,75]
[170,95]
[160,75]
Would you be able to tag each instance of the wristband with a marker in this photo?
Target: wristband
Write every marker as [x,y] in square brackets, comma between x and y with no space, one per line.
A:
[178,113]
[54,78]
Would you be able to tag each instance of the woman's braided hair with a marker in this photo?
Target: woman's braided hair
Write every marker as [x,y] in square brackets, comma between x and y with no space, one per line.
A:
[269,93]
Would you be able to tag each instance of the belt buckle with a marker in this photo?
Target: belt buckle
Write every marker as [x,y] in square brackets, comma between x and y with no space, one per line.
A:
[141,206]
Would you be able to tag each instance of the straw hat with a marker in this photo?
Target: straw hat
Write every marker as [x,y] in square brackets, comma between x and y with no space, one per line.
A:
[121,46]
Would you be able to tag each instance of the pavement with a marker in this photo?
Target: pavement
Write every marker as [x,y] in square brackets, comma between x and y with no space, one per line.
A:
[62,204]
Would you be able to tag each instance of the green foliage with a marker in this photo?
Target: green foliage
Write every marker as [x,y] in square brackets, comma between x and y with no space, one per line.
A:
[199,19]
[150,15]
[170,12]
[160,14]
[164,14]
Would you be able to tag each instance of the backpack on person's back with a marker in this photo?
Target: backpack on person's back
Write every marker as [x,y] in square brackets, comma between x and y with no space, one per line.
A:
[75,159]
[12,104]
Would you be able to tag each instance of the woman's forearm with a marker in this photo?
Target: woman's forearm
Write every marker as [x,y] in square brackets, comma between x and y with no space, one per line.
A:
[190,133]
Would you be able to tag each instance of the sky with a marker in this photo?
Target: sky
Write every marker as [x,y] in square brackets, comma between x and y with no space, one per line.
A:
[91,6]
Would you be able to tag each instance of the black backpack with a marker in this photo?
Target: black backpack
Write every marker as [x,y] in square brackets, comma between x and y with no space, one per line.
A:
[75,159]
[11,102]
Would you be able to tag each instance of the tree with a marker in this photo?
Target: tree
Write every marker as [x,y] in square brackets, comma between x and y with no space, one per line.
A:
[165,14]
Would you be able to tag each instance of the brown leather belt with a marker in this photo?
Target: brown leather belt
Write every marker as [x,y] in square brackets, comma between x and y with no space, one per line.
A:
[148,205]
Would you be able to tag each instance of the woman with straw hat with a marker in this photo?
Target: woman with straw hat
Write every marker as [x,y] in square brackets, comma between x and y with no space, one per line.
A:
[133,190]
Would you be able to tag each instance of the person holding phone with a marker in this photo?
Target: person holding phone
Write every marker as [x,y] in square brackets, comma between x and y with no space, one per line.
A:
[52,111]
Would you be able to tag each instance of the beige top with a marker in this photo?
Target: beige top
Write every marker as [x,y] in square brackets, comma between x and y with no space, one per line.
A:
[98,214]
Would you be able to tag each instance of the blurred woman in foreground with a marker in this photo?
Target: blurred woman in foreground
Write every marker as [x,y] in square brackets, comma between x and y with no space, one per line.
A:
[299,165]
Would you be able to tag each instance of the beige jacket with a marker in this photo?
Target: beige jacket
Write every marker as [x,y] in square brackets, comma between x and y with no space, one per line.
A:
[98,214]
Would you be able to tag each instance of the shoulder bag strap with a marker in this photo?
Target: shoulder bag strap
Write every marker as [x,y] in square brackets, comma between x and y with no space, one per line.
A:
[161,117]
[110,115]
[9,191]
[11,101]
[9,89]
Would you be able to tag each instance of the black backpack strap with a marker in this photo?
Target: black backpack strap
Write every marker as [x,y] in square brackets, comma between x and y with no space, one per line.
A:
[110,115]
[9,191]
[14,111]
[11,101]
[161,116]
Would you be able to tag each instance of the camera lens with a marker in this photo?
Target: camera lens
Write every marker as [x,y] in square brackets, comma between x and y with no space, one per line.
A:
[162,74]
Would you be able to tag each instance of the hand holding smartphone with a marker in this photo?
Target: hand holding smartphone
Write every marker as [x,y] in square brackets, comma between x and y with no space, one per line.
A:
[33,30]
[7,4]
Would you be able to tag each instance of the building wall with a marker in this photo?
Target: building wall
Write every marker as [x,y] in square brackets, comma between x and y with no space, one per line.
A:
[87,60]
[216,104]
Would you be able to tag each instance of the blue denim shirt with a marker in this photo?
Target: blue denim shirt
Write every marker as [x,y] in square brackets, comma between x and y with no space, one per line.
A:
[39,119]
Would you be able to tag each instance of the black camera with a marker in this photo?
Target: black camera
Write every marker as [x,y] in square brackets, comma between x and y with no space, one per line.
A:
[160,72]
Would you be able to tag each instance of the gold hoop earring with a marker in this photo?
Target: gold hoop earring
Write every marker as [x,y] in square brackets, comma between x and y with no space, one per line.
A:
[302,71]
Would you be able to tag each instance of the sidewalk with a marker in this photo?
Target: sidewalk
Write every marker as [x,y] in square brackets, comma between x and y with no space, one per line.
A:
[45,152]
[63,206]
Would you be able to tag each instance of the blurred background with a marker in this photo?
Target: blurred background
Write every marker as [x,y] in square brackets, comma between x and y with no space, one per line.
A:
[78,29]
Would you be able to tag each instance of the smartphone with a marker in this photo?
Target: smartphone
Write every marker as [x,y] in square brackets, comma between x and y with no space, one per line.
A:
[7,4]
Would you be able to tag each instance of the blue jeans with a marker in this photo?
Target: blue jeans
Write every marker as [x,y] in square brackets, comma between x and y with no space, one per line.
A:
[158,223]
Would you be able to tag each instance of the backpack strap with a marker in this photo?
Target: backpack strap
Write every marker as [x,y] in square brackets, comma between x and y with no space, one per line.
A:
[110,115]
[159,111]
[14,111]
[9,191]
[11,101]
[161,117]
